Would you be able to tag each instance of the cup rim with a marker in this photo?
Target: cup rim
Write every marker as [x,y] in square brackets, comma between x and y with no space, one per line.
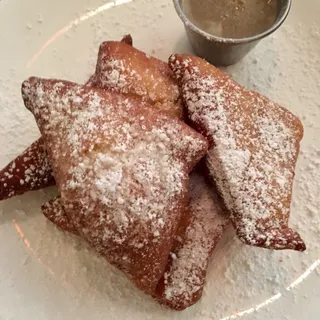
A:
[209,36]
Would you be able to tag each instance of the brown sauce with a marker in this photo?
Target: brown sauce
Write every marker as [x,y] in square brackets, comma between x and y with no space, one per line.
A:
[232,18]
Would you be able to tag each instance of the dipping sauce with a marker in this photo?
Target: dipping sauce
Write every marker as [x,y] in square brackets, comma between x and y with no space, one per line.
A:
[232,18]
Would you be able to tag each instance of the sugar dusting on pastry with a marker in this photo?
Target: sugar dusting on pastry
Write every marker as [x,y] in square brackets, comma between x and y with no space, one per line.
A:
[124,69]
[30,171]
[113,76]
[292,83]
[120,68]
[122,171]
[55,212]
[255,147]
[184,281]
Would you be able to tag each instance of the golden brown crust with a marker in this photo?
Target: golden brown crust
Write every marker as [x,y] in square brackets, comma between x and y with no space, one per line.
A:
[122,171]
[31,170]
[124,69]
[127,39]
[54,211]
[155,85]
[255,145]
[200,231]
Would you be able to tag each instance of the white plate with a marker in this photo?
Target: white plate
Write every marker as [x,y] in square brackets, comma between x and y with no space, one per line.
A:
[46,274]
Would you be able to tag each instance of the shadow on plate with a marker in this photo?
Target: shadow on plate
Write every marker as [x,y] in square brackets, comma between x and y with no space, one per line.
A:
[28,205]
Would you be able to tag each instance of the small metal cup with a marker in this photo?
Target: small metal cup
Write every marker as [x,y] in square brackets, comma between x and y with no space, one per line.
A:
[226,51]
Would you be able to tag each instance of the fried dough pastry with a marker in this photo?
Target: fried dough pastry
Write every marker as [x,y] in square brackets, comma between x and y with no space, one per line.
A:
[124,69]
[122,171]
[31,170]
[199,231]
[55,212]
[127,39]
[152,81]
[184,279]
[254,148]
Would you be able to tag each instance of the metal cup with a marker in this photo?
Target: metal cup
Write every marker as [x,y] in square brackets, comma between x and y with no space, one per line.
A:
[226,51]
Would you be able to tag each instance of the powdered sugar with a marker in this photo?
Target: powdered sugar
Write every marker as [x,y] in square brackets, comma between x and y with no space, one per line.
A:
[285,67]
[256,145]
[185,279]
[105,147]
[30,171]
[124,69]
[55,212]
[113,76]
